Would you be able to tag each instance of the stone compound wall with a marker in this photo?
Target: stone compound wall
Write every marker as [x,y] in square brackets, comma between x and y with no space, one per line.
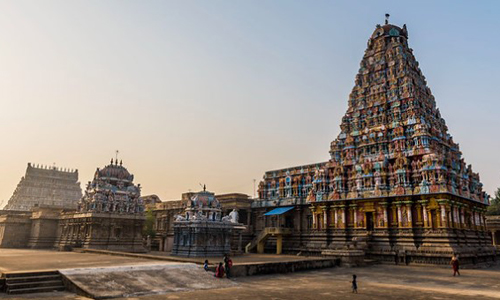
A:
[14,230]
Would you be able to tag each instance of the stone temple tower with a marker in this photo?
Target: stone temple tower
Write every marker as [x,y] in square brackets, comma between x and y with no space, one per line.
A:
[395,180]
[46,186]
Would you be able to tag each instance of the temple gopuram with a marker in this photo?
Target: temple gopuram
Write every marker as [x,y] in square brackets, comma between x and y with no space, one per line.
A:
[110,215]
[396,185]
[46,186]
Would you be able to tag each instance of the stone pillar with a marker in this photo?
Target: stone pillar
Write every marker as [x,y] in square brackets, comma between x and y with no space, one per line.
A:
[456,216]
[410,215]
[424,214]
[279,244]
[335,221]
[343,212]
[444,223]
[386,216]
[249,217]
[462,217]
[494,237]
[325,217]
[474,219]
[400,224]
[313,210]
[483,221]
[355,217]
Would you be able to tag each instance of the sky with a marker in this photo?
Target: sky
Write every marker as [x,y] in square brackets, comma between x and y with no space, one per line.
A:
[218,92]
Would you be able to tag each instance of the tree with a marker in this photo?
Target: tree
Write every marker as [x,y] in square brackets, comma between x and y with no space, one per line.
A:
[149,224]
[494,208]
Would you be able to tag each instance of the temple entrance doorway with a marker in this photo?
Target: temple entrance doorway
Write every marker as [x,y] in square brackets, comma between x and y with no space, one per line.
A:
[369,221]
[433,219]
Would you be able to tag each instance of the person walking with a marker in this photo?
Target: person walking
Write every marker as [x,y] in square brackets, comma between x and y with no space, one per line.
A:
[205,265]
[219,271]
[455,265]
[354,284]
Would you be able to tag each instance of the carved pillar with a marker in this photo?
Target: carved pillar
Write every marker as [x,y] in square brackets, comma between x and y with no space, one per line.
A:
[335,221]
[483,221]
[425,215]
[314,220]
[400,223]
[444,222]
[410,217]
[462,217]
[343,212]
[313,211]
[385,215]
[475,220]
[355,216]
[325,217]
[456,216]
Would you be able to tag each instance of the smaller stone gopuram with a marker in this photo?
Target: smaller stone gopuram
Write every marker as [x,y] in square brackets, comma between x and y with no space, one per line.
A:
[110,215]
[203,231]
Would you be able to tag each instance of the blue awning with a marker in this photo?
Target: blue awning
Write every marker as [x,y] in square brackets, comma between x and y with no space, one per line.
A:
[278,211]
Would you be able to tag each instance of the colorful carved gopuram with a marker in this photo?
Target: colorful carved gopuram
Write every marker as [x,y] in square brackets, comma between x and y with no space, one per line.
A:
[396,185]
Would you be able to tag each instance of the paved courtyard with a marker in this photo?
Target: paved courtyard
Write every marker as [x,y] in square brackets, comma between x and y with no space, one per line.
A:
[16,260]
[375,282]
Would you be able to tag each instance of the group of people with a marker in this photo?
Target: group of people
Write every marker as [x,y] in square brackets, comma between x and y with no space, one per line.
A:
[222,268]
[225,268]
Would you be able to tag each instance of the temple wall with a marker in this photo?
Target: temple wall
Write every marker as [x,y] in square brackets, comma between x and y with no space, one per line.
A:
[14,231]
[101,231]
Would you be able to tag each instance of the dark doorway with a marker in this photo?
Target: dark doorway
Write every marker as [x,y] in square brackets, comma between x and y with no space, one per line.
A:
[433,219]
[369,221]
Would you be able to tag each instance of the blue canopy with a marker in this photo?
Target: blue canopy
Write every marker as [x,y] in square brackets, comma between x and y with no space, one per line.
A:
[278,211]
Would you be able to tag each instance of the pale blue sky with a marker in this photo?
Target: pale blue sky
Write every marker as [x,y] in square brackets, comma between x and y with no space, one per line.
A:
[218,92]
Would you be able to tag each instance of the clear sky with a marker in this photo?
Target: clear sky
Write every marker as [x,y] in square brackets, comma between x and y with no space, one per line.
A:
[218,92]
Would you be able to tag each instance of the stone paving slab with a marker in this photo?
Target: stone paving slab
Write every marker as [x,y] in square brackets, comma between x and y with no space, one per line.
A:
[24,260]
[375,282]
[112,282]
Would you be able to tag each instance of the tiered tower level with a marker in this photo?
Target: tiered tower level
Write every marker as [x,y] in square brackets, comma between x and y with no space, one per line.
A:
[394,164]
[46,186]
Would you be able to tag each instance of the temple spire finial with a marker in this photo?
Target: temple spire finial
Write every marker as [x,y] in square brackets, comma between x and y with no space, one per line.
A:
[387,18]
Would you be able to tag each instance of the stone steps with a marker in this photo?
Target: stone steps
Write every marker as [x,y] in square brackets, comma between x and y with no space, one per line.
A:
[33,282]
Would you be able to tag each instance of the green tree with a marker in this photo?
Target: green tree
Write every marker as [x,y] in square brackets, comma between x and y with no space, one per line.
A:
[494,208]
[149,224]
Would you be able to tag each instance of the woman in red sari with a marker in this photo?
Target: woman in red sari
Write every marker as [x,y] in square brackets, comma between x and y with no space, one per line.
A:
[219,271]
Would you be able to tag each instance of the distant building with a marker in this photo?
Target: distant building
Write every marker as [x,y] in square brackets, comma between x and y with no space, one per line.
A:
[109,216]
[166,211]
[46,186]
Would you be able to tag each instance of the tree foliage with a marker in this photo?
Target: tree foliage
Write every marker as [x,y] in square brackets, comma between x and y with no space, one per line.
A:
[149,224]
[494,208]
